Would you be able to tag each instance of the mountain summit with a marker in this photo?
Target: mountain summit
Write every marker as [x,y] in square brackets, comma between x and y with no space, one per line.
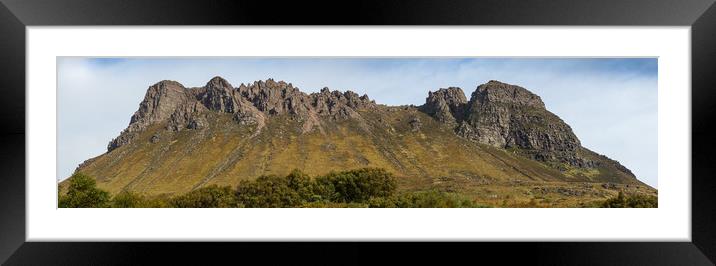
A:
[185,108]
[184,138]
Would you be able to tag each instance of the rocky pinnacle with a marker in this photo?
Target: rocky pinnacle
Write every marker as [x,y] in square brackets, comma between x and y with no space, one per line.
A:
[497,114]
[184,108]
[507,116]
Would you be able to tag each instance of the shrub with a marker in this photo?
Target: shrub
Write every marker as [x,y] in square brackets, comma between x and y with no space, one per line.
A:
[297,189]
[423,199]
[126,199]
[301,183]
[361,188]
[356,185]
[334,205]
[434,199]
[383,202]
[632,201]
[83,193]
[642,201]
[273,191]
[323,190]
[617,202]
[207,197]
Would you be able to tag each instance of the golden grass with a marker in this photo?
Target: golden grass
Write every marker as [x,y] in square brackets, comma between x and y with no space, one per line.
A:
[432,157]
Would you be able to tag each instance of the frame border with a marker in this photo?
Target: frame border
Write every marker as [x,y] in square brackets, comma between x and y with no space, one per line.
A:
[15,15]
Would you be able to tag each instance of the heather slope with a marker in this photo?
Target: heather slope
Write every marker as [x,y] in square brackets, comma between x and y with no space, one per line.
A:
[182,138]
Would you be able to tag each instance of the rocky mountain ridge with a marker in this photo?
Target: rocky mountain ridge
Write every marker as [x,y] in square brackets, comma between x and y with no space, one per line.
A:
[497,114]
[507,116]
[182,138]
[250,104]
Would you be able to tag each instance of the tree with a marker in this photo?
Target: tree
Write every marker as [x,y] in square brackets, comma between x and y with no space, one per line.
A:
[618,202]
[128,199]
[642,201]
[632,201]
[211,196]
[274,191]
[301,183]
[83,193]
[356,185]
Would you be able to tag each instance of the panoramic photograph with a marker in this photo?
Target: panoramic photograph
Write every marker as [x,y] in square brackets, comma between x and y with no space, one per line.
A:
[356,132]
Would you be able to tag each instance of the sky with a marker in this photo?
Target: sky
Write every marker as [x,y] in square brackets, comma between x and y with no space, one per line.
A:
[610,103]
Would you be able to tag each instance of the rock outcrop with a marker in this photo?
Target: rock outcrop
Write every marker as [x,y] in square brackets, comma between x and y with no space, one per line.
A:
[160,103]
[183,138]
[507,116]
[446,105]
[185,108]
[497,114]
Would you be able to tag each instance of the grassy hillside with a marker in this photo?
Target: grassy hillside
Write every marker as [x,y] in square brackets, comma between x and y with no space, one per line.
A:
[423,157]
[360,188]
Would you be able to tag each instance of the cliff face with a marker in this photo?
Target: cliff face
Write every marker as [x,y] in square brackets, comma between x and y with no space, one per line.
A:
[446,105]
[160,102]
[183,138]
[508,116]
[253,104]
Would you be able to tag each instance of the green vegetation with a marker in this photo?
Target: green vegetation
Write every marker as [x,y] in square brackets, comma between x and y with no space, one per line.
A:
[360,188]
[425,199]
[231,154]
[207,197]
[298,189]
[631,201]
[275,192]
[83,193]
[126,199]
[367,187]
[356,185]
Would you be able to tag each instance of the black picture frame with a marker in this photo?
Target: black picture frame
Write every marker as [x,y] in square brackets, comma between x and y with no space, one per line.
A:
[15,15]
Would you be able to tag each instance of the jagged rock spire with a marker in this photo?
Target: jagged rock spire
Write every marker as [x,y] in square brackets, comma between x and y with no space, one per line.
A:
[497,114]
[160,101]
[180,107]
[499,92]
[504,116]
[446,105]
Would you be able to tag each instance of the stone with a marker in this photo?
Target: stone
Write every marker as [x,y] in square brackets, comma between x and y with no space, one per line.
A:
[497,114]
[160,102]
[415,124]
[446,105]
[506,116]
[355,131]
[184,108]
[218,95]
[609,186]
[154,138]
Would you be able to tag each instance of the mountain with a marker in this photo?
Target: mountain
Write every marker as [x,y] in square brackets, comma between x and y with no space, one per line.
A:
[183,138]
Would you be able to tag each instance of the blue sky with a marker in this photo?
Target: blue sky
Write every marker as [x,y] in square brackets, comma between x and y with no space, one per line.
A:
[610,103]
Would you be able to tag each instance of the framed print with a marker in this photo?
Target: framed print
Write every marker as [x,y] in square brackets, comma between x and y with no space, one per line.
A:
[578,132]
